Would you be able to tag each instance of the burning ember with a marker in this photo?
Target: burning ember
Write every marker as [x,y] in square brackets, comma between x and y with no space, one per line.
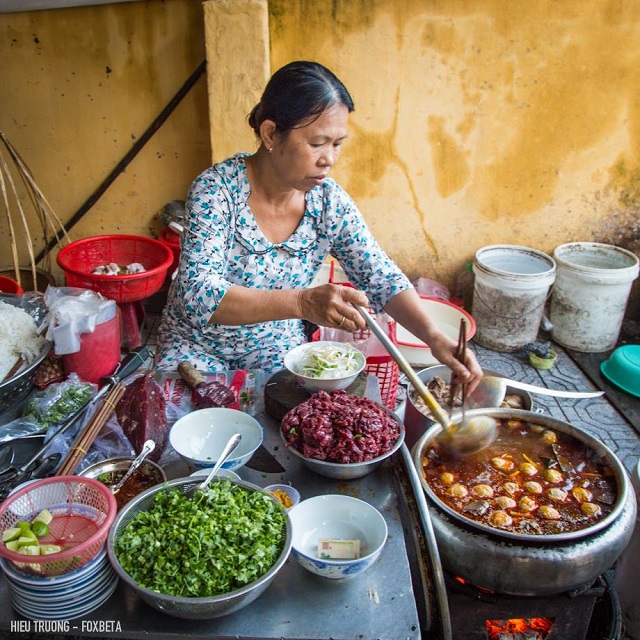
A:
[519,629]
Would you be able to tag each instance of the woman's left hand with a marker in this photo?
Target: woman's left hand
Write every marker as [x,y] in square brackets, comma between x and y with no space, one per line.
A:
[444,350]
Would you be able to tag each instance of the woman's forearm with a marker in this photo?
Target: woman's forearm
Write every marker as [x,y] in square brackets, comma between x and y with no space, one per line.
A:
[242,305]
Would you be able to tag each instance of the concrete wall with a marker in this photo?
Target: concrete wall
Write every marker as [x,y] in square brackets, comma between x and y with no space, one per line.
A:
[477,121]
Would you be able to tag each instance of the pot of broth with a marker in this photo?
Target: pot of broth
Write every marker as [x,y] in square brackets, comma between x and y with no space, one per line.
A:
[545,509]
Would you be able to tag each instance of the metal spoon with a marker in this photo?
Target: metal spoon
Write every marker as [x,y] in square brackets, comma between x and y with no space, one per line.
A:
[232,443]
[491,390]
[461,438]
[147,448]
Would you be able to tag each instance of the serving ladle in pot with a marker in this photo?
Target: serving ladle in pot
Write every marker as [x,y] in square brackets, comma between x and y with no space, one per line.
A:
[458,438]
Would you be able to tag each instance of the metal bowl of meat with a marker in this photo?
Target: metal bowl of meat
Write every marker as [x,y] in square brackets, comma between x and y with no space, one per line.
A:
[341,436]
[417,416]
[14,387]
[158,540]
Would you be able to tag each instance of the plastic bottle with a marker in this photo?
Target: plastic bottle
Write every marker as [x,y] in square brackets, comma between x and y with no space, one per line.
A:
[464,286]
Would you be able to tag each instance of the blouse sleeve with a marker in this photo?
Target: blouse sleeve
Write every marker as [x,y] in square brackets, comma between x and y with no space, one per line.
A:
[366,264]
[208,232]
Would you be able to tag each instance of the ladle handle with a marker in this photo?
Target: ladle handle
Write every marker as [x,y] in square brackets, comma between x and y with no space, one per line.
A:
[436,410]
[147,448]
[232,443]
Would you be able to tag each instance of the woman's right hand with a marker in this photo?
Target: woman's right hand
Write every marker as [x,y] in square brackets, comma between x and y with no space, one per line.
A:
[331,305]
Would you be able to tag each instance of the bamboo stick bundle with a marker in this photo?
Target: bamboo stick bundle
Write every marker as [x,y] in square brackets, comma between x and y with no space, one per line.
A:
[50,224]
[85,438]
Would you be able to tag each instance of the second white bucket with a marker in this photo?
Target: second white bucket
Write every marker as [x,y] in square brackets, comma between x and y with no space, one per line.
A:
[509,294]
[590,295]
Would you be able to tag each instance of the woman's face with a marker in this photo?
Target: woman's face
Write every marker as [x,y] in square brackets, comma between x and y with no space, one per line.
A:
[305,155]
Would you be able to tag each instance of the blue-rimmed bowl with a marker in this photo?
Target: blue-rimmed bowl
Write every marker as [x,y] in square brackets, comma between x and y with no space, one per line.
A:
[200,436]
[336,517]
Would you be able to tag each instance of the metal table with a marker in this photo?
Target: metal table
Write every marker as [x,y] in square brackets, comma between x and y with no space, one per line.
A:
[380,603]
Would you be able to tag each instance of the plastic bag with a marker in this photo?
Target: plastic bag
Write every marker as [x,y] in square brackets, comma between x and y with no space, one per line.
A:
[109,443]
[432,288]
[53,405]
[73,312]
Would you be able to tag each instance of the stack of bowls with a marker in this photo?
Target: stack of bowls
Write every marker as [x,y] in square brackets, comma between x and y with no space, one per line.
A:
[66,596]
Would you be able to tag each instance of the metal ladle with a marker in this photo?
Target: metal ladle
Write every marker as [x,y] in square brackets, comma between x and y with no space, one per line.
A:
[491,390]
[460,438]
[147,448]
[231,445]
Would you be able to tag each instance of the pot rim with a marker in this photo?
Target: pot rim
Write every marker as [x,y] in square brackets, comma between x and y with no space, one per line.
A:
[543,420]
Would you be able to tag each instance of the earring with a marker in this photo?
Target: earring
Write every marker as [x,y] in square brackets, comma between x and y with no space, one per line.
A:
[270,149]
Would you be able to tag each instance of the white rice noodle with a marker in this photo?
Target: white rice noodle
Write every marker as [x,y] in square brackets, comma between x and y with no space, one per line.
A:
[18,338]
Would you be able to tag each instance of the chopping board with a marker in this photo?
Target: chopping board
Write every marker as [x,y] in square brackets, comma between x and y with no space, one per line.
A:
[282,392]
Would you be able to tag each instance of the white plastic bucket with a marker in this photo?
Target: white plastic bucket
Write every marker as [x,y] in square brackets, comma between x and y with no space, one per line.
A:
[510,290]
[590,295]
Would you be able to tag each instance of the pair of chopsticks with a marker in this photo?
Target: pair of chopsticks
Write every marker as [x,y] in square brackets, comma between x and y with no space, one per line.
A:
[459,388]
[85,438]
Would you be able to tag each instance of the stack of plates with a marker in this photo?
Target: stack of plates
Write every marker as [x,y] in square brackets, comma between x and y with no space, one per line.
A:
[68,596]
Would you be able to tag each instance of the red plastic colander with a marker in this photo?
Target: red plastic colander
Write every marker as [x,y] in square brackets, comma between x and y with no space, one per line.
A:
[83,511]
[81,257]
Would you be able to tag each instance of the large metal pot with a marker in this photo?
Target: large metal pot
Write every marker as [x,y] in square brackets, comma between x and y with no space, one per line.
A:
[527,565]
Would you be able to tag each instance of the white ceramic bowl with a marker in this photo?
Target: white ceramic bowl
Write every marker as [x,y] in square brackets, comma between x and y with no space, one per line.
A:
[446,317]
[200,436]
[338,517]
[295,359]
[292,492]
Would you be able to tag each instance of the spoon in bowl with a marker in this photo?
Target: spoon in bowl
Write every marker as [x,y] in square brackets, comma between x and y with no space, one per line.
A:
[231,445]
[147,448]
[461,438]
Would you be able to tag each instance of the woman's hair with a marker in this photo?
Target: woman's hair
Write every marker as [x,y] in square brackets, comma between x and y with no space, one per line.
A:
[296,94]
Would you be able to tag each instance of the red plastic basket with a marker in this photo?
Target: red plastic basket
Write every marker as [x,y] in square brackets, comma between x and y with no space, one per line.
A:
[81,257]
[83,511]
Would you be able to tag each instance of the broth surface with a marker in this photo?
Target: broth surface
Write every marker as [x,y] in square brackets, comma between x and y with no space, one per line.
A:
[531,480]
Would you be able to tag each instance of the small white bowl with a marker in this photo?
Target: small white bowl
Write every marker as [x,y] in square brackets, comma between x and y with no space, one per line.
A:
[200,436]
[341,517]
[292,492]
[295,359]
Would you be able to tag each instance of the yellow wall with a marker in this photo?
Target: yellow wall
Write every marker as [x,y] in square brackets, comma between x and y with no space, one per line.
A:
[81,85]
[477,121]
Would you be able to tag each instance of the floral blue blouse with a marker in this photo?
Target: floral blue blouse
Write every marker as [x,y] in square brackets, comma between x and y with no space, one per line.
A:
[222,246]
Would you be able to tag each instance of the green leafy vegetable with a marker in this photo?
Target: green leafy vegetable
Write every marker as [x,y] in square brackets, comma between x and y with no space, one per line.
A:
[220,540]
[55,404]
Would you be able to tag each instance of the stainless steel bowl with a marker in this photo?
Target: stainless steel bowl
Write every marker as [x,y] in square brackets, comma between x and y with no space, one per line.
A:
[185,607]
[417,422]
[347,471]
[18,387]
[118,466]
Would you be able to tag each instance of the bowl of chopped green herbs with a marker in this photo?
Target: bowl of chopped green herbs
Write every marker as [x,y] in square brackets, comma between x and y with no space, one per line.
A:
[202,557]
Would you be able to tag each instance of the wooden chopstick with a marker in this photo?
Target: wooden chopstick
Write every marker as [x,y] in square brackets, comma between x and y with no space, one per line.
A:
[85,438]
[461,353]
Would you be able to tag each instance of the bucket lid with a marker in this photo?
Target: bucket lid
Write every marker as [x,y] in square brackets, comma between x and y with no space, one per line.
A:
[623,368]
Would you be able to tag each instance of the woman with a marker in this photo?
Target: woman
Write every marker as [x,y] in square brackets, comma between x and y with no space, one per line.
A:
[257,229]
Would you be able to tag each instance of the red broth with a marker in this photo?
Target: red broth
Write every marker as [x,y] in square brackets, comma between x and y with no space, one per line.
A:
[532,480]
